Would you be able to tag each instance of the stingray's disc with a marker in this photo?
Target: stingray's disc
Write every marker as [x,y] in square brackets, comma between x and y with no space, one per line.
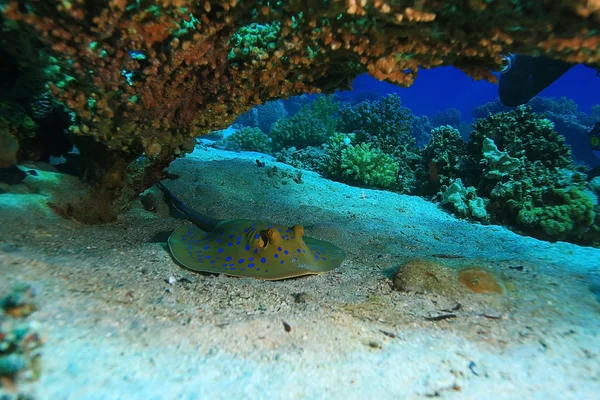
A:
[231,249]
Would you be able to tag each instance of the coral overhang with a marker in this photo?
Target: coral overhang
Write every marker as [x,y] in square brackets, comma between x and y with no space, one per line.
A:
[144,76]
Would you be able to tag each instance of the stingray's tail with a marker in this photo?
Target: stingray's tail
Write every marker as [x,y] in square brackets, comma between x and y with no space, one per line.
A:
[177,206]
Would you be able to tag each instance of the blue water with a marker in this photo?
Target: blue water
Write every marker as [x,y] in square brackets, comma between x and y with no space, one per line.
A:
[447,87]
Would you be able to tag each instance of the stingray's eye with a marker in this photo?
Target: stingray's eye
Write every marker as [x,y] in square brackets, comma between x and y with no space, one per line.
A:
[262,239]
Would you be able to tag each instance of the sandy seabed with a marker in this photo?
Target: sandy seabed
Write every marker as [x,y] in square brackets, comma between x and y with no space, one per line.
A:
[123,321]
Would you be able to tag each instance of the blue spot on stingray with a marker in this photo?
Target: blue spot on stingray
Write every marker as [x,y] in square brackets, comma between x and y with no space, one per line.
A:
[279,229]
[219,240]
[281,262]
[231,265]
[220,250]
[287,231]
[266,270]
[233,268]
[256,236]
[228,259]
[299,251]
[250,265]
[247,247]
[316,257]
[241,260]
[279,249]
[206,256]
[323,258]
[212,261]
[229,244]
[263,260]
[258,269]
[286,252]
[255,251]
[246,230]
[275,255]
[224,265]
[251,259]
[242,269]
[206,247]
[231,236]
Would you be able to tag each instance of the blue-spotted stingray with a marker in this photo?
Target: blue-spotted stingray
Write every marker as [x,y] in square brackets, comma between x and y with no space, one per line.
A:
[248,248]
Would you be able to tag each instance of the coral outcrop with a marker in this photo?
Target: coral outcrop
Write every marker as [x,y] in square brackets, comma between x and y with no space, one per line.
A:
[142,77]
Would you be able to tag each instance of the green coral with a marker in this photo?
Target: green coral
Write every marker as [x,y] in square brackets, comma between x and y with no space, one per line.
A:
[311,126]
[442,160]
[498,163]
[521,133]
[464,201]
[569,214]
[383,123]
[518,170]
[255,41]
[310,158]
[249,139]
[360,163]
[300,131]
[387,126]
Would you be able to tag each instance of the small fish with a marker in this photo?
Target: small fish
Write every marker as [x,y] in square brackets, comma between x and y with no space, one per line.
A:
[248,248]
[136,55]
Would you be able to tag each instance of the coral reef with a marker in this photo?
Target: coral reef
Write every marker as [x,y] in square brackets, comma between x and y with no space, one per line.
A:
[450,116]
[249,139]
[421,130]
[518,172]
[299,131]
[442,160]
[568,121]
[311,158]
[269,113]
[263,116]
[464,201]
[387,126]
[311,126]
[143,77]
[360,163]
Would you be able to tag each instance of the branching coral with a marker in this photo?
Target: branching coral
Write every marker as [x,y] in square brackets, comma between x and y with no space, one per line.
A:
[519,173]
[249,139]
[360,163]
[300,131]
[387,126]
[311,126]
[442,160]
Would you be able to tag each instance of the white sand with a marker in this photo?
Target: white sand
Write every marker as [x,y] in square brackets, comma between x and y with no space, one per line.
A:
[116,329]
